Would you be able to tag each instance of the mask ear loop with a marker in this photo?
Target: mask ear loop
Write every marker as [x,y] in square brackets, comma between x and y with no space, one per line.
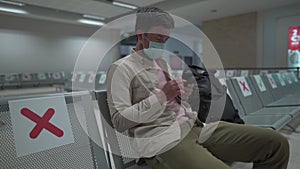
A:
[145,38]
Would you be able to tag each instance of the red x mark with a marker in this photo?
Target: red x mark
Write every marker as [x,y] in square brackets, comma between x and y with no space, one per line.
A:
[272,81]
[244,86]
[56,76]
[26,77]
[41,123]
[92,77]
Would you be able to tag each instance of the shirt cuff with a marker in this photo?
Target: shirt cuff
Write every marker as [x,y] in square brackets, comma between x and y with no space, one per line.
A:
[153,100]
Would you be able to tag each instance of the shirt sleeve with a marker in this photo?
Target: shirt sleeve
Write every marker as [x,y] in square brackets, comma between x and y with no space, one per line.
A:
[126,115]
[184,104]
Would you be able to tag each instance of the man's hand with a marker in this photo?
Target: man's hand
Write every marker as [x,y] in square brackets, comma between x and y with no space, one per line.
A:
[187,91]
[174,88]
[170,90]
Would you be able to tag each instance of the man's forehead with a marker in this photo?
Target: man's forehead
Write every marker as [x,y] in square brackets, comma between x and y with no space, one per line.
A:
[159,30]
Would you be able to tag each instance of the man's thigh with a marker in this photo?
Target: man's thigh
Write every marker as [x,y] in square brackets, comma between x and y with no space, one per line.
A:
[234,142]
[187,154]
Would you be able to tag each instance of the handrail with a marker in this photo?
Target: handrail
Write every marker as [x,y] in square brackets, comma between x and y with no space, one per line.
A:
[258,68]
[4,100]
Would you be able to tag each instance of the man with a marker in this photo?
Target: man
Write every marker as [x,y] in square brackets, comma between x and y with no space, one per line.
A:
[150,104]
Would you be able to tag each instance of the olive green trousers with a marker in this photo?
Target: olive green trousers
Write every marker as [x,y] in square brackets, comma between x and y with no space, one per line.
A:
[266,148]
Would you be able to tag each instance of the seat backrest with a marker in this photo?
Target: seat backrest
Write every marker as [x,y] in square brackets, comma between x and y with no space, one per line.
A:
[233,96]
[264,93]
[295,81]
[291,86]
[281,89]
[78,154]
[124,156]
[273,85]
[100,81]
[293,77]
[246,94]
[111,137]
[101,97]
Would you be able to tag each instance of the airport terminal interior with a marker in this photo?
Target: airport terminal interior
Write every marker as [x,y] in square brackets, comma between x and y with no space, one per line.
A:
[55,54]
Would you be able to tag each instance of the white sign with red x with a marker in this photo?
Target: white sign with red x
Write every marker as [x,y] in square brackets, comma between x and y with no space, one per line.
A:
[263,72]
[56,76]
[288,78]
[244,86]
[92,77]
[74,76]
[271,81]
[40,124]
[26,77]
[229,73]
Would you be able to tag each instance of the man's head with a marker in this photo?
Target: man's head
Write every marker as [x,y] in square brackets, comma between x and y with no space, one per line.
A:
[152,25]
[148,17]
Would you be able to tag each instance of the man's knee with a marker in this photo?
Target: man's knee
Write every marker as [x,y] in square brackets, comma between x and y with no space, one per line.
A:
[283,143]
[277,142]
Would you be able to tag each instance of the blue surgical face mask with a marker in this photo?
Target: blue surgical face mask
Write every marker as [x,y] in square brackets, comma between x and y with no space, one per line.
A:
[155,50]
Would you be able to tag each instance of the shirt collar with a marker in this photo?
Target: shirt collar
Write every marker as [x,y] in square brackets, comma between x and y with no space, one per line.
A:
[143,60]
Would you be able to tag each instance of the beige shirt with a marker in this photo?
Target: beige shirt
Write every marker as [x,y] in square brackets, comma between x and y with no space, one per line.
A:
[131,82]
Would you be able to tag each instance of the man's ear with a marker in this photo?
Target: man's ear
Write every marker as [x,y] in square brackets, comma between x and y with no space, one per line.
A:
[140,37]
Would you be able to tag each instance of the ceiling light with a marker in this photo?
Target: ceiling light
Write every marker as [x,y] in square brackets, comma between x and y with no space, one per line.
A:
[90,22]
[13,3]
[19,11]
[93,17]
[124,5]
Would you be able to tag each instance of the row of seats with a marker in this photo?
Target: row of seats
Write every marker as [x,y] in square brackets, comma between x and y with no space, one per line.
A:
[231,72]
[91,128]
[19,80]
[266,106]
[270,100]
[71,81]
[259,104]
[259,101]
[77,81]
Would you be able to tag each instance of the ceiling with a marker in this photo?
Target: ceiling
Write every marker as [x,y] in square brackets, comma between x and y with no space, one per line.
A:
[196,11]
[202,11]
